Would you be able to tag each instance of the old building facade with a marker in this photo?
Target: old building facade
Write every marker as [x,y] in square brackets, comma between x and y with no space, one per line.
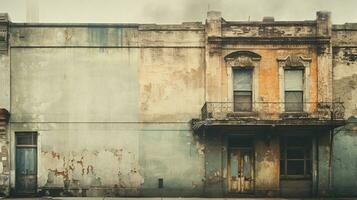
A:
[221,108]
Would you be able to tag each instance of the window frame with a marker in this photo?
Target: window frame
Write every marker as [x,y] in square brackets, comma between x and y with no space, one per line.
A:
[307,158]
[302,91]
[251,72]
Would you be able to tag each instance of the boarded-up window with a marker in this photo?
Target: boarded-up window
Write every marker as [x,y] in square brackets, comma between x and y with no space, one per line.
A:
[293,90]
[242,86]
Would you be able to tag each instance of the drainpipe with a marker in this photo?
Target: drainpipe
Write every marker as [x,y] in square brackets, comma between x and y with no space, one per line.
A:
[330,162]
[317,166]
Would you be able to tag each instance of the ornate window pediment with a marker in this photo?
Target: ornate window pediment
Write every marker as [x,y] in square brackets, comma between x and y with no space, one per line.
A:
[242,59]
[294,62]
[243,76]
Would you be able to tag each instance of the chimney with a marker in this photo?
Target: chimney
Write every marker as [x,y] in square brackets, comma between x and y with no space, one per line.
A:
[32,11]
[214,24]
[323,20]
[268,19]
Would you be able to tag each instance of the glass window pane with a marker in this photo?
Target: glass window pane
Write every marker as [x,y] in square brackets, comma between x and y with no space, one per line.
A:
[242,79]
[293,80]
[246,165]
[234,165]
[26,139]
[242,101]
[295,167]
[293,101]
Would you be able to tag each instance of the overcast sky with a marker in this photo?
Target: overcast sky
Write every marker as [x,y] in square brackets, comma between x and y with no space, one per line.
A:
[177,11]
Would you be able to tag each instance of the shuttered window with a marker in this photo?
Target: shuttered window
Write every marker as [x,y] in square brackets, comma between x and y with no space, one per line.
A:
[242,86]
[294,90]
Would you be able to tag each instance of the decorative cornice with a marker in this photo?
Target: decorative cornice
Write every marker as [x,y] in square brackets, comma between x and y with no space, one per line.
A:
[269,40]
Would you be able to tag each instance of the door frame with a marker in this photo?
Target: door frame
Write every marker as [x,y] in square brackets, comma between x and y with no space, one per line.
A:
[251,149]
[34,146]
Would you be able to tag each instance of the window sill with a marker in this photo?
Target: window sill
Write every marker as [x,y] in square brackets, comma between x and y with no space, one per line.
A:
[294,115]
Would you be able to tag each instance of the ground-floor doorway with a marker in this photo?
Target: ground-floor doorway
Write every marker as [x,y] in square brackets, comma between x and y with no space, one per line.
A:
[241,165]
[26,163]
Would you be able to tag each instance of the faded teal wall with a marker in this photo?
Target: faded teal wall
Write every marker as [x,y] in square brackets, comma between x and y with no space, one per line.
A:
[344,180]
[112,107]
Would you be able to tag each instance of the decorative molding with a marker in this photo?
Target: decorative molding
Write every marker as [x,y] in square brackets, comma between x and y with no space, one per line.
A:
[242,59]
[269,40]
[294,62]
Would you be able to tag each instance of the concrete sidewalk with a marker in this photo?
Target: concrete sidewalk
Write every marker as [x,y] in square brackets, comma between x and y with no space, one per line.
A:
[165,198]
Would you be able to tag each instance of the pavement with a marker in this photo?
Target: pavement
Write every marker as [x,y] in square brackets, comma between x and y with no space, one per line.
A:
[168,198]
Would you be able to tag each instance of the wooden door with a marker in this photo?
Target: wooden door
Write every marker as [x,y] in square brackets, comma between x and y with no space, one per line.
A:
[241,171]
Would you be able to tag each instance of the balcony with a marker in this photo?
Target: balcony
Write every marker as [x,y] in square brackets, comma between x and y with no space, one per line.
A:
[307,114]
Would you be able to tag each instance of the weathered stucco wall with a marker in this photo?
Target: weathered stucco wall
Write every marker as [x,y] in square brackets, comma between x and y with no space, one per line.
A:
[117,158]
[74,84]
[345,89]
[345,78]
[171,84]
[111,105]
[267,159]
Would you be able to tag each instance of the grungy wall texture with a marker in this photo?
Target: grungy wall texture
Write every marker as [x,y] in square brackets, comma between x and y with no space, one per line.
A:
[113,118]
[74,85]
[345,89]
[344,160]
[267,165]
[112,103]
[126,157]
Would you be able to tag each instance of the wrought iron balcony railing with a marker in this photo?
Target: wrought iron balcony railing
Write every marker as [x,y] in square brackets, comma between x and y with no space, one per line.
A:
[273,110]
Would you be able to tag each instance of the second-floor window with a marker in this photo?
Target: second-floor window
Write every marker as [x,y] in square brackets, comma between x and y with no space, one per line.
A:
[242,86]
[294,91]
